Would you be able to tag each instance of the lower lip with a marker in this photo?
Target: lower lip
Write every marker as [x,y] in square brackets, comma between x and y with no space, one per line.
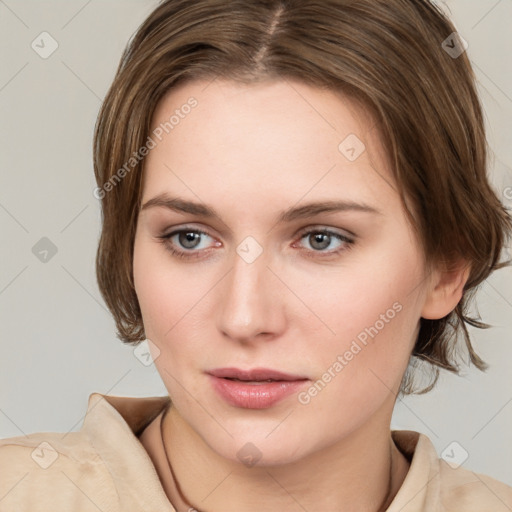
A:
[255,396]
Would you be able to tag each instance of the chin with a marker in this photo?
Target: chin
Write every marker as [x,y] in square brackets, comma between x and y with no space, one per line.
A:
[259,449]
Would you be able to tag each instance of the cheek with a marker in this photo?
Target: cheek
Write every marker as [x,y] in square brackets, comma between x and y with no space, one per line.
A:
[163,294]
[369,311]
[160,298]
[148,286]
[174,302]
[362,365]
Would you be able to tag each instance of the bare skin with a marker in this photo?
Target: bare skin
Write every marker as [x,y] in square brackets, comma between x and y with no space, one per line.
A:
[152,442]
[250,152]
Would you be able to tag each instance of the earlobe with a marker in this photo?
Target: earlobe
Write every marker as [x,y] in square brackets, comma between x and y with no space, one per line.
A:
[447,287]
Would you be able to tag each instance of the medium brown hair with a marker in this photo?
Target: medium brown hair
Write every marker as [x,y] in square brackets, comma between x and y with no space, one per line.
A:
[390,55]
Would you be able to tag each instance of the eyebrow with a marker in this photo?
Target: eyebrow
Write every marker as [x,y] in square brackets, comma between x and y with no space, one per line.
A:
[288,215]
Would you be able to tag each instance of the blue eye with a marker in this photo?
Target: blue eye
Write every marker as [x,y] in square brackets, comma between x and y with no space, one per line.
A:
[189,243]
[188,239]
[321,239]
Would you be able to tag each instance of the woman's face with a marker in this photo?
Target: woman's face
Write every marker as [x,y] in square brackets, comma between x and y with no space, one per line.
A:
[286,250]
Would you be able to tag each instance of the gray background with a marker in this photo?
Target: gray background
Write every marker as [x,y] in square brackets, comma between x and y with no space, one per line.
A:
[57,338]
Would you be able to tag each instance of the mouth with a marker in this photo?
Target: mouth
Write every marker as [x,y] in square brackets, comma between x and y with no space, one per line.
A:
[259,388]
[255,375]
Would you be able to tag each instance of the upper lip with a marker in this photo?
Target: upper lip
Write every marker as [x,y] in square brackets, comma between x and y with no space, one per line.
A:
[254,374]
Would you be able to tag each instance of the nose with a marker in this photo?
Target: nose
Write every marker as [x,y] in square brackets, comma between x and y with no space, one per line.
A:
[251,302]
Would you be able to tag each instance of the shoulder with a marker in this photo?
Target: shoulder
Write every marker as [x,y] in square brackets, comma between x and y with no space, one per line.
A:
[53,471]
[463,490]
[432,484]
[103,466]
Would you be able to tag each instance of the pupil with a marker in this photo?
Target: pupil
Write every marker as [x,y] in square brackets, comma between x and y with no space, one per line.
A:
[320,240]
[189,240]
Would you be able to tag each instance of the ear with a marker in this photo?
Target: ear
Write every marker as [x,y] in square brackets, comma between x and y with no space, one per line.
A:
[446,289]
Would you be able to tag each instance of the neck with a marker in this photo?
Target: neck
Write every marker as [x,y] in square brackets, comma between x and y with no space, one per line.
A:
[362,472]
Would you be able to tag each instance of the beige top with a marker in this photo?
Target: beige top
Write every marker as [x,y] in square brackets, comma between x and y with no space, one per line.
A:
[104,467]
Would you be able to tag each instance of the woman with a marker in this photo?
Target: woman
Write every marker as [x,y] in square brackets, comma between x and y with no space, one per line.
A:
[295,203]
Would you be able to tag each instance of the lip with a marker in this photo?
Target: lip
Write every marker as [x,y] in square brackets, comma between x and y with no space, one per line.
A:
[254,374]
[252,389]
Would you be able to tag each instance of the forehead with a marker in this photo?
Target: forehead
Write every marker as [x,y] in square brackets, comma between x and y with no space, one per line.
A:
[272,136]
[272,105]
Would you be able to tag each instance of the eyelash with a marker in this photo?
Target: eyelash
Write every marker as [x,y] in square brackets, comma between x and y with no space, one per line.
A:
[192,254]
